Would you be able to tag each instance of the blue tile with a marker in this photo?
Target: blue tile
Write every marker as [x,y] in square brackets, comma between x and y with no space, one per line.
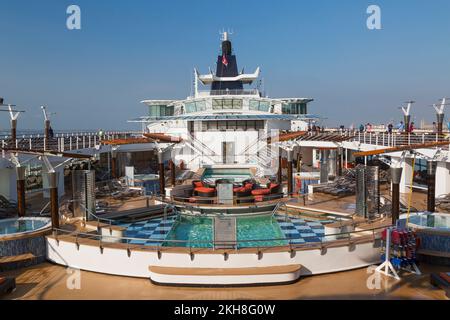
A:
[293,231]
[287,228]
[308,235]
[312,239]
[138,242]
[297,241]
[300,228]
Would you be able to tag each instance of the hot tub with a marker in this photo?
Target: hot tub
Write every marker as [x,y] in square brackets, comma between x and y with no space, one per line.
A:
[433,230]
[22,242]
[20,226]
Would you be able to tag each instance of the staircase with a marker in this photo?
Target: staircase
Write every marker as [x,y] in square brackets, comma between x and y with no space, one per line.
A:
[201,149]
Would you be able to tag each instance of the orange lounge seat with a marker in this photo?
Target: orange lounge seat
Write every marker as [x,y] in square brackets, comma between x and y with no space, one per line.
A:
[261,192]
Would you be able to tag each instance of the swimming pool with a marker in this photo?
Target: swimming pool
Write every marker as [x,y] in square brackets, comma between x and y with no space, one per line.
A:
[198,232]
[22,225]
[234,174]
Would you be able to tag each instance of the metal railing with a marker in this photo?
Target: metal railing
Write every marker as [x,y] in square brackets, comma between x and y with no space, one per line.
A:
[64,141]
[210,244]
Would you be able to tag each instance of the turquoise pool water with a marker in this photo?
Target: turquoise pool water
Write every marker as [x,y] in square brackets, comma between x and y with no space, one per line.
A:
[199,232]
[237,175]
[22,225]
[436,221]
[193,229]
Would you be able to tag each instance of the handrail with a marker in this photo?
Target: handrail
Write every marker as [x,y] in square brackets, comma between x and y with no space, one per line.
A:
[212,242]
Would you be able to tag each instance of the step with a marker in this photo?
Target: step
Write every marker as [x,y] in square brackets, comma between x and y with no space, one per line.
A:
[225,276]
[8,263]
[18,258]
[224,232]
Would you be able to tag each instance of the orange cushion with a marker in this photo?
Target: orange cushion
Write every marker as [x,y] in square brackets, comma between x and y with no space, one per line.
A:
[205,190]
[2,279]
[261,192]
[198,184]
[248,186]
[273,186]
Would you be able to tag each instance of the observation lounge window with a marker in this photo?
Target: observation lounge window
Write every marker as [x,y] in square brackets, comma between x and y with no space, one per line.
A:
[161,111]
[294,108]
[259,105]
[232,125]
[195,106]
[220,104]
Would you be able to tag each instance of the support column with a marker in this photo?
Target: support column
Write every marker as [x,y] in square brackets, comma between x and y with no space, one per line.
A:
[114,164]
[290,164]
[340,161]
[407,123]
[324,166]
[14,131]
[440,122]
[54,205]
[431,183]
[21,205]
[396,175]
[162,187]
[46,133]
[280,166]
[443,170]
[408,171]
[172,173]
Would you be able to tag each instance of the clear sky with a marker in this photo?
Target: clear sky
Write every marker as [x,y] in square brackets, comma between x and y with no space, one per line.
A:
[128,51]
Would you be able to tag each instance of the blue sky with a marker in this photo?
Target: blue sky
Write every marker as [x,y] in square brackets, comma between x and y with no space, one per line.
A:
[128,51]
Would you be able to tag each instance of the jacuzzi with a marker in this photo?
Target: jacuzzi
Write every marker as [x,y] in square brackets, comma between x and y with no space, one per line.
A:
[22,241]
[433,229]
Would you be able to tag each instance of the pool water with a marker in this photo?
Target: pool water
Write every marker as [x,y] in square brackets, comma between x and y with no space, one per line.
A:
[236,175]
[436,221]
[198,231]
[260,228]
[12,226]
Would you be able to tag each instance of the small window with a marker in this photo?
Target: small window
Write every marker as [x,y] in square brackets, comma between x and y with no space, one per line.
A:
[217,104]
[228,104]
[237,104]
[222,125]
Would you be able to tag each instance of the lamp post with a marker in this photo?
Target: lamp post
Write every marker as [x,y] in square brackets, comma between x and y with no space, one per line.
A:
[407,114]
[440,115]
[14,115]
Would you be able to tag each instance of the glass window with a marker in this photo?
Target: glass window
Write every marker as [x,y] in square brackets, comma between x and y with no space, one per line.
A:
[231,125]
[222,125]
[212,125]
[237,104]
[254,105]
[264,106]
[217,104]
[294,108]
[201,105]
[259,105]
[160,111]
[228,104]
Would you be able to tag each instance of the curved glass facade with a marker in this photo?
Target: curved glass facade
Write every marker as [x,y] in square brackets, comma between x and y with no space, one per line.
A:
[160,111]
[294,108]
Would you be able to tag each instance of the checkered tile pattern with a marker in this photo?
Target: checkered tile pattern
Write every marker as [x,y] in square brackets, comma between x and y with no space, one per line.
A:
[300,230]
[155,229]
